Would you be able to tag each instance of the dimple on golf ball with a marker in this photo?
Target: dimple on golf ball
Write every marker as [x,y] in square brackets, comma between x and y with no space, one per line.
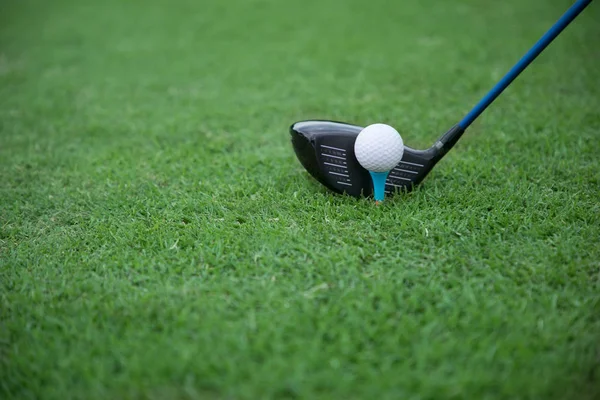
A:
[379,148]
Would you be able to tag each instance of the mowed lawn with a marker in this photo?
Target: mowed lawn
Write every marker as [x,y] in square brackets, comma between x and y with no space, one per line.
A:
[159,238]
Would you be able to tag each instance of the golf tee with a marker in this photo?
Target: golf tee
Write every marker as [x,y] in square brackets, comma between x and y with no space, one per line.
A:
[379,179]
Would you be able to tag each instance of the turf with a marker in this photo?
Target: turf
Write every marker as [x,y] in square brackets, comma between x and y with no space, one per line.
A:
[159,239]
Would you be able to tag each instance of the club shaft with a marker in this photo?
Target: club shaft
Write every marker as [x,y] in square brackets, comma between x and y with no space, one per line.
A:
[548,37]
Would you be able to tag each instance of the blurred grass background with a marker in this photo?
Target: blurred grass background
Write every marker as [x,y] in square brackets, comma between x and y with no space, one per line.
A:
[158,238]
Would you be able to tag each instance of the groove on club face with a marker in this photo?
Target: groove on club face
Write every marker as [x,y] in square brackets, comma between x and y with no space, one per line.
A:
[326,150]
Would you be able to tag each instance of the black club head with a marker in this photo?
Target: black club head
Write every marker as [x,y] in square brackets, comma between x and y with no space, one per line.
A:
[326,150]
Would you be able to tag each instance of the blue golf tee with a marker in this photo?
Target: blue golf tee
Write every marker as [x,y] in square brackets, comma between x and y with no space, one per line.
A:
[378,179]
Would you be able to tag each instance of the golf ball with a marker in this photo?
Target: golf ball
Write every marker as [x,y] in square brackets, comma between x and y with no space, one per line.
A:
[379,148]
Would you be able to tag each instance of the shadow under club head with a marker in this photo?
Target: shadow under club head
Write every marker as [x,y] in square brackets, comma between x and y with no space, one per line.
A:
[326,150]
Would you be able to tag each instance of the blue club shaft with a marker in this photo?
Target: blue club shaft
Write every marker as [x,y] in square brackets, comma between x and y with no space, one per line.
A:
[545,40]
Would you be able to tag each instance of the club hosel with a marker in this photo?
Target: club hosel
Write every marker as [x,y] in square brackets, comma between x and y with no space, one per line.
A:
[449,139]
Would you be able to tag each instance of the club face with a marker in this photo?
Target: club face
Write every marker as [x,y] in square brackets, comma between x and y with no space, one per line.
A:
[326,150]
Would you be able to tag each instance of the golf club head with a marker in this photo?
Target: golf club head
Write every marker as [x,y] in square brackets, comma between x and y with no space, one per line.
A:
[326,150]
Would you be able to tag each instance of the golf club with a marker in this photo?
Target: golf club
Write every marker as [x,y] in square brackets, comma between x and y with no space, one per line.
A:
[326,148]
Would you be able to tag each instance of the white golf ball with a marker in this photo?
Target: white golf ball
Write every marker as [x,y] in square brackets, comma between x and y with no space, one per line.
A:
[379,148]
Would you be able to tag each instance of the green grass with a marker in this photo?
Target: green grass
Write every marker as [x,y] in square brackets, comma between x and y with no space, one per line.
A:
[159,239]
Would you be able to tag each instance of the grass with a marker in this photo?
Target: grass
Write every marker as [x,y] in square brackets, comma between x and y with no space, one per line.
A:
[158,238]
